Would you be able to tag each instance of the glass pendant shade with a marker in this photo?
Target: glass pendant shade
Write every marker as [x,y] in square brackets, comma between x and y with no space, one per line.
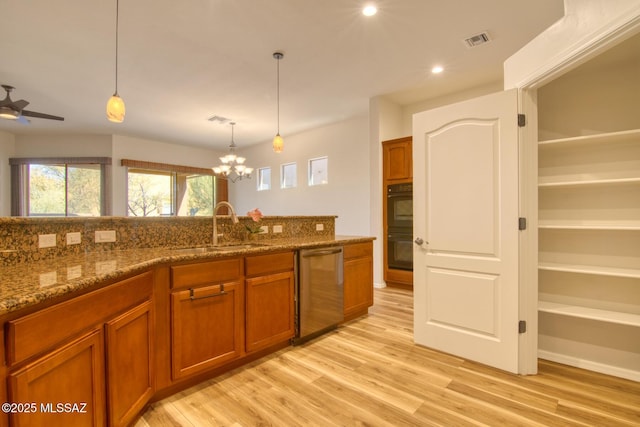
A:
[115,109]
[278,144]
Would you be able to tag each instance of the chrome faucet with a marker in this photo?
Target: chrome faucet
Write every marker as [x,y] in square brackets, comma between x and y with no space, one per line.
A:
[234,218]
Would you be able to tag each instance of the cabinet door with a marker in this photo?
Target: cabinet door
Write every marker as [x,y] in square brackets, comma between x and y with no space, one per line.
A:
[67,385]
[270,310]
[397,159]
[206,327]
[358,286]
[130,374]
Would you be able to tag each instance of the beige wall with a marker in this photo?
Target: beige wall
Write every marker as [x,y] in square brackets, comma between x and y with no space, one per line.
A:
[7,150]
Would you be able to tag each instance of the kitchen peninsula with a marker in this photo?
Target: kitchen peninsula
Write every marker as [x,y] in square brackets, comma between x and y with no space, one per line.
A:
[116,325]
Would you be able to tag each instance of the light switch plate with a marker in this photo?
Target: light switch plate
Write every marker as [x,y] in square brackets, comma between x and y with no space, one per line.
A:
[46,240]
[264,229]
[277,229]
[74,238]
[319,227]
[105,236]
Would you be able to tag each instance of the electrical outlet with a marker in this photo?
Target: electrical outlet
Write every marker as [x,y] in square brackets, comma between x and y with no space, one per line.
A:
[105,236]
[74,238]
[319,227]
[277,229]
[264,229]
[46,240]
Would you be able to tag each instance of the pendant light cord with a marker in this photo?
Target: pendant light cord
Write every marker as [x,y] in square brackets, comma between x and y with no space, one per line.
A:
[278,89]
[117,20]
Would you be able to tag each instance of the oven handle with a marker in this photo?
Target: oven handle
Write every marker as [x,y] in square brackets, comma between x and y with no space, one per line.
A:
[397,237]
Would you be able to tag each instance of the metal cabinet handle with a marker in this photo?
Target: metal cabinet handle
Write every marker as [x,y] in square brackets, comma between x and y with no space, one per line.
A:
[322,253]
[419,241]
[192,296]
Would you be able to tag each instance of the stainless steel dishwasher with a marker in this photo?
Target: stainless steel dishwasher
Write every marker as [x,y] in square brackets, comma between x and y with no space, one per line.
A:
[319,294]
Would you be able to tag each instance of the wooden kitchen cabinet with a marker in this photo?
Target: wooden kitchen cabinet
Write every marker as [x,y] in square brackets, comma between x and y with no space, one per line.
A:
[397,168]
[270,308]
[57,355]
[397,160]
[130,363]
[72,374]
[207,325]
[207,319]
[358,279]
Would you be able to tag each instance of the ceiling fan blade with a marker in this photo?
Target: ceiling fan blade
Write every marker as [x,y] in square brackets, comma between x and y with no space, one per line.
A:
[19,105]
[41,115]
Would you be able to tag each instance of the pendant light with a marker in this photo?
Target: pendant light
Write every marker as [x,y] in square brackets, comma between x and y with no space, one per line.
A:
[115,105]
[278,142]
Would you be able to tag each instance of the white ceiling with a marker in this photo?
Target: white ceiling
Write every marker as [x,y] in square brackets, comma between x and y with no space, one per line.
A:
[181,62]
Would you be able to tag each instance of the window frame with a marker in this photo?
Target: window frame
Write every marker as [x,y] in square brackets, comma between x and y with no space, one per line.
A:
[259,179]
[282,175]
[20,178]
[310,182]
[179,189]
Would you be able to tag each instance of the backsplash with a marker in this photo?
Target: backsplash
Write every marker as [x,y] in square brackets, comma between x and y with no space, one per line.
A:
[19,237]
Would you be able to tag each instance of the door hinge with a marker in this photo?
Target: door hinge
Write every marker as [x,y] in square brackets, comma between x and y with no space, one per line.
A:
[522,326]
[522,223]
[522,120]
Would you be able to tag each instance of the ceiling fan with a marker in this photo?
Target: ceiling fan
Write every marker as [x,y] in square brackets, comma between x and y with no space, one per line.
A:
[14,110]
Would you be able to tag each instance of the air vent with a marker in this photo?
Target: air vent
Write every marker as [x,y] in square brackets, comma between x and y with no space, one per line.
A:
[477,40]
[219,119]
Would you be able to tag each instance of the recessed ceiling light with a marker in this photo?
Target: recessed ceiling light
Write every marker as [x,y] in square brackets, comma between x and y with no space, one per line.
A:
[437,69]
[369,10]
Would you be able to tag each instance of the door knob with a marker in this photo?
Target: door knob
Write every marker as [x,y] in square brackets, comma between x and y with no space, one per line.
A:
[419,241]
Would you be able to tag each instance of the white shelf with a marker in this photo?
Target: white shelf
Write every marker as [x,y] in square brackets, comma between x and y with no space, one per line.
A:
[590,269]
[591,182]
[600,138]
[589,225]
[590,313]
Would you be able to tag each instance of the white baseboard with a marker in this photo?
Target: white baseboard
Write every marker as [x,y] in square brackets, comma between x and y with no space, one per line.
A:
[590,365]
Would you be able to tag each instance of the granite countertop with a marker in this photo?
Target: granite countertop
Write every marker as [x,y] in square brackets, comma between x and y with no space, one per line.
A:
[27,284]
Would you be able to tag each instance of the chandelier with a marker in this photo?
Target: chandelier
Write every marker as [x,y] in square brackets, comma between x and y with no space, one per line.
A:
[232,167]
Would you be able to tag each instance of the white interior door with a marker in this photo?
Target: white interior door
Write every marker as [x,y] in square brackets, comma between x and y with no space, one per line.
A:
[466,211]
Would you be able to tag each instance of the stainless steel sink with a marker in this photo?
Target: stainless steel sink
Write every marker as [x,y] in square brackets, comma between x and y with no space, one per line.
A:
[219,248]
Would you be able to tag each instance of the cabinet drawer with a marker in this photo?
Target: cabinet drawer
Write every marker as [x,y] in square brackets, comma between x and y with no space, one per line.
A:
[270,263]
[358,250]
[203,273]
[39,331]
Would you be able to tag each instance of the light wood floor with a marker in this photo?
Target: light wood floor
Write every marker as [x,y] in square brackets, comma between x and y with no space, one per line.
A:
[369,373]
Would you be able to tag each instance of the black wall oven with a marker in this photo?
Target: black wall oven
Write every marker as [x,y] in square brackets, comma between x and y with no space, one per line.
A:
[400,207]
[400,226]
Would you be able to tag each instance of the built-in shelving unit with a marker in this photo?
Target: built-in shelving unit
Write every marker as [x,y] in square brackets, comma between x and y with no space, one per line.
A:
[590,313]
[589,226]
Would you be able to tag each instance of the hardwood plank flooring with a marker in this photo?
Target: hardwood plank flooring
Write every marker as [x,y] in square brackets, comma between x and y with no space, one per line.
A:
[370,373]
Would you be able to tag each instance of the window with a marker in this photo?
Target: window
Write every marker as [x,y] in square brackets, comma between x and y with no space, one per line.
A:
[158,189]
[288,173]
[264,179]
[150,193]
[76,186]
[319,171]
